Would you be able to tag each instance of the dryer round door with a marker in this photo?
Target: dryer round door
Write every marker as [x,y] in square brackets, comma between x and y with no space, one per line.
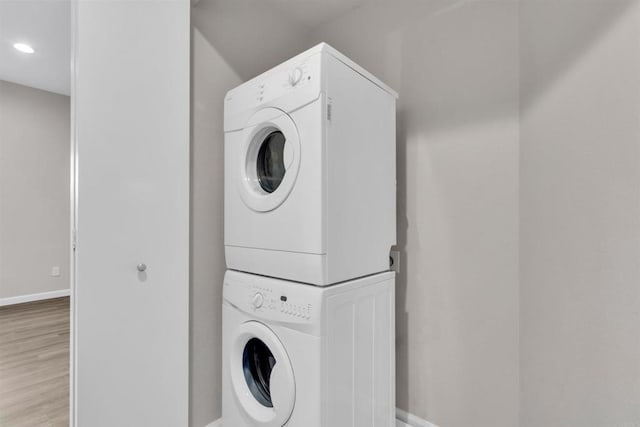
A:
[262,375]
[270,160]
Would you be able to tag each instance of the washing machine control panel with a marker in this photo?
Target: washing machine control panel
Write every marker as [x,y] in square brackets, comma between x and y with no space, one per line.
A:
[288,305]
[257,300]
[297,303]
[298,310]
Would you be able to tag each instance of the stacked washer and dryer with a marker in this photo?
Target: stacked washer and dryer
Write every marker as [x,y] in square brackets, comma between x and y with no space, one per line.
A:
[310,217]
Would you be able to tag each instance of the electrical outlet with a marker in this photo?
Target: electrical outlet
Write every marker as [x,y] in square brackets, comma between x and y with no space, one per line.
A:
[55,271]
[394,261]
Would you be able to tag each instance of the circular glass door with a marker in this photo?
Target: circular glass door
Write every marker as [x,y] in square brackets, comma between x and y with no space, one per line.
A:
[257,364]
[262,375]
[270,160]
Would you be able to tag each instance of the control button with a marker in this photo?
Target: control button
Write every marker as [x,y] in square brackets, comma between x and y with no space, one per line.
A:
[257,300]
[295,76]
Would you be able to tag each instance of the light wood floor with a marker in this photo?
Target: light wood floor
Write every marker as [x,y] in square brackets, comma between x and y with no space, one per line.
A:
[34,364]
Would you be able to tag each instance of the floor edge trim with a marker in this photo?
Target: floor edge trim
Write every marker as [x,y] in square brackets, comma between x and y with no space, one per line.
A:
[20,299]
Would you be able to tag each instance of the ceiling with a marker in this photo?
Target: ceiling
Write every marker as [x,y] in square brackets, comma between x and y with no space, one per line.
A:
[46,26]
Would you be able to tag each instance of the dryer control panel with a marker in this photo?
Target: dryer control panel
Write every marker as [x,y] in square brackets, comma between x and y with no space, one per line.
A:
[287,87]
[282,83]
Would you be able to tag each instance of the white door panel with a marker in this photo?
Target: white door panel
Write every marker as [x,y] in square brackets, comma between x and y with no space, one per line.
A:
[131,95]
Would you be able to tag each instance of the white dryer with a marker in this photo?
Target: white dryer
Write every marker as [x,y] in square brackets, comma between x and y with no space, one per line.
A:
[305,356]
[310,177]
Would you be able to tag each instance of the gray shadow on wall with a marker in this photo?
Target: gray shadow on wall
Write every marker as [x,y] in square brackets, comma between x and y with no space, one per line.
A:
[402,224]
[460,66]
[571,28]
[191,233]
[458,63]
[251,35]
[211,78]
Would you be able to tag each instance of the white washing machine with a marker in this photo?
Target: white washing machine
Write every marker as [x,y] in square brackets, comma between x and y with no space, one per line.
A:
[310,176]
[306,356]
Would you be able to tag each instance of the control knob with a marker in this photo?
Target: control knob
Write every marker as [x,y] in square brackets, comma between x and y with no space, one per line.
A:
[295,76]
[257,300]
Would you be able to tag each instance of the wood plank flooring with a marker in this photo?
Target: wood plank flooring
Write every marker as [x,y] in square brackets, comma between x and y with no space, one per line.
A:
[34,364]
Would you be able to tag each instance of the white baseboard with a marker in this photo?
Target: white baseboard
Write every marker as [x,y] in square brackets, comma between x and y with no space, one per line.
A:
[34,297]
[403,419]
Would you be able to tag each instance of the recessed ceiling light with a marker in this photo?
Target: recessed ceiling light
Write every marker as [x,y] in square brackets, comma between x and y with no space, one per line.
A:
[23,47]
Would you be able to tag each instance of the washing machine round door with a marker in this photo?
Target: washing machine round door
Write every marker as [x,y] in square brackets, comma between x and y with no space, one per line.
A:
[262,375]
[270,159]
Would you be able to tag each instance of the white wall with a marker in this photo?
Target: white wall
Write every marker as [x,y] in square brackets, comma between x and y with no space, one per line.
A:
[456,69]
[580,206]
[34,190]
